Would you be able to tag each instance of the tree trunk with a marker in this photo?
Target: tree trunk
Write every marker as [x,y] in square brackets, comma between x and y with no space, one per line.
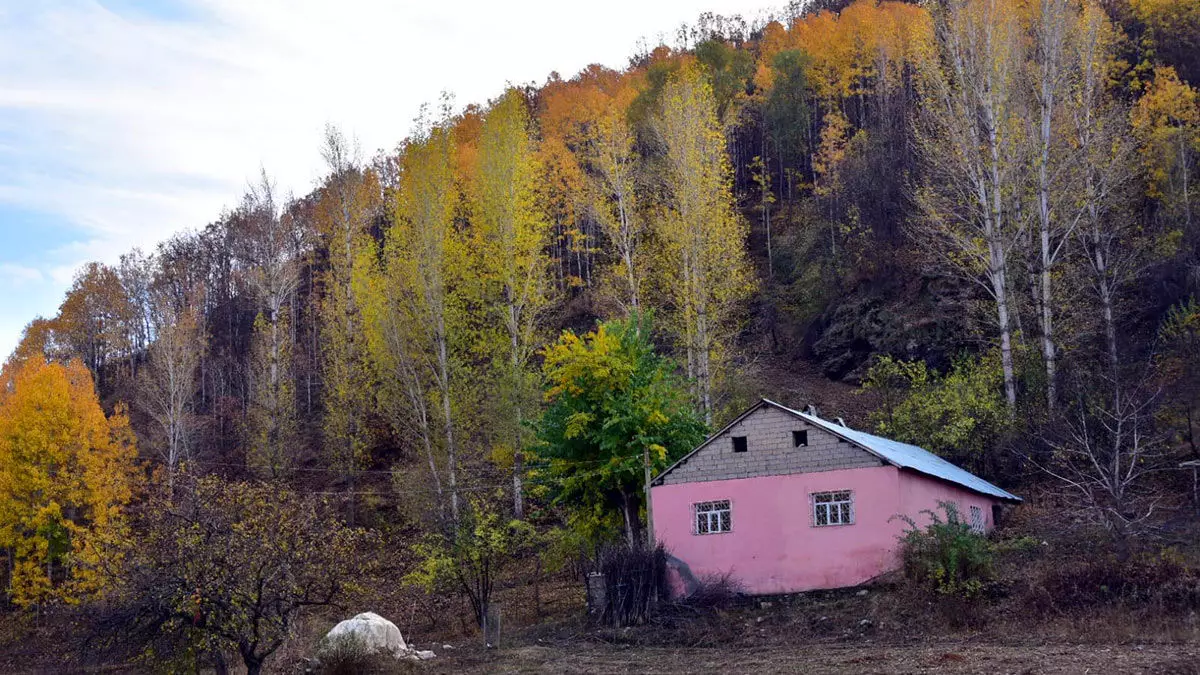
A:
[447,416]
[518,477]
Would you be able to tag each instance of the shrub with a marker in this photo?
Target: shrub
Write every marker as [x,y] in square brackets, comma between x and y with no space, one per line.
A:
[1162,581]
[350,655]
[959,415]
[946,556]
[470,555]
[715,591]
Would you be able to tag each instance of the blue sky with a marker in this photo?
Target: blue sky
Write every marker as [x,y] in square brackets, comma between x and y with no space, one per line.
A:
[124,121]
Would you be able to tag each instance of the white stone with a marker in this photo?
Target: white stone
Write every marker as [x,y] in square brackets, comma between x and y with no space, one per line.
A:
[374,631]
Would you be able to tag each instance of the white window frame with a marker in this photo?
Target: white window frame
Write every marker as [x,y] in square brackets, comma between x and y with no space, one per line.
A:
[835,507]
[978,522]
[717,515]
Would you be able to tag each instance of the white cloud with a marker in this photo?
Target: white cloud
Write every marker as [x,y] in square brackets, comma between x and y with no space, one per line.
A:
[16,276]
[131,127]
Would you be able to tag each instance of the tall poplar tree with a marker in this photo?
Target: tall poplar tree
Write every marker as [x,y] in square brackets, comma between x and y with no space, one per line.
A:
[274,275]
[615,202]
[970,136]
[348,203]
[412,312]
[704,268]
[515,269]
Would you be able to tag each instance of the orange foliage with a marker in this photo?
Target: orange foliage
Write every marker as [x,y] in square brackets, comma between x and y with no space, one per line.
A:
[66,473]
[851,52]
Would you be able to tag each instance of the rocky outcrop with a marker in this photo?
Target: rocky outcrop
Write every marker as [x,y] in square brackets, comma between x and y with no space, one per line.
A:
[376,634]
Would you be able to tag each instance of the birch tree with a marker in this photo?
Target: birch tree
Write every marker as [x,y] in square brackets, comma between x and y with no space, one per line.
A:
[274,276]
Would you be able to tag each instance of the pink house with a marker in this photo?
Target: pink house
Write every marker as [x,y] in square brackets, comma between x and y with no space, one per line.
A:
[784,501]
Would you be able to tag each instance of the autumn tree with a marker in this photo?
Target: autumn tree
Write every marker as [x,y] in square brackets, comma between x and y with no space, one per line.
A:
[1112,241]
[136,273]
[1178,344]
[348,202]
[1173,28]
[511,237]
[412,310]
[615,409]
[36,344]
[1052,27]
[93,318]
[66,475]
[704,266]
[231,568]
[971,141]
[616,202]
[271,252]
[1166,121]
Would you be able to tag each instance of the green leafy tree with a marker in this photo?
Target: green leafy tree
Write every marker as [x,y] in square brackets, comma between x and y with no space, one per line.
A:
[730,71]
[471,555]
[787,113]
[612,400]
[959,415]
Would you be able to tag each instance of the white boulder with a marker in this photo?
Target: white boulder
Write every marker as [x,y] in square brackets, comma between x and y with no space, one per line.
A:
[373,631]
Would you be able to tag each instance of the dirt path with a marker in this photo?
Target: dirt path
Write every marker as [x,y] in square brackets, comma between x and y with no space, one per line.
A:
[857,658]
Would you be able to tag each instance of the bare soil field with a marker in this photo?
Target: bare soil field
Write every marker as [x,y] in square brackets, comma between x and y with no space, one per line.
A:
[934,657]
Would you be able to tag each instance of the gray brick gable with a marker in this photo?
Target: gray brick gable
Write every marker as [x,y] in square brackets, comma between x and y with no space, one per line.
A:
[770,452]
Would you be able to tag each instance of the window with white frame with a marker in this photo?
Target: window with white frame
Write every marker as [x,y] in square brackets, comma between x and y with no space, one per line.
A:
[713,517]
[833,508]
[977,520]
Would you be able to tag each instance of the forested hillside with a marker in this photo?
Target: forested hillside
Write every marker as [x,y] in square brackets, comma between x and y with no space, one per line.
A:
[971,225]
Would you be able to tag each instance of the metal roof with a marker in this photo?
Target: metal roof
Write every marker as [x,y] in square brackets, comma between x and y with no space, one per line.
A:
[900,455]
[905,456]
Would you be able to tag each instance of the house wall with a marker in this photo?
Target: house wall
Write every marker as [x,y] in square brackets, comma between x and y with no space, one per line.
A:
[919,492]
[774,547]
[770,451]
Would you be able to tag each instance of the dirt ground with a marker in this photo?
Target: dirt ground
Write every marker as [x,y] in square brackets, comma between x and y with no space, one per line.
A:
[937,657]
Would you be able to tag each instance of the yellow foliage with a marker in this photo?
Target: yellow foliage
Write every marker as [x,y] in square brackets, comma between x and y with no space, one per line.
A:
[864,46]
[66,474]
[704,265]
[1166,122]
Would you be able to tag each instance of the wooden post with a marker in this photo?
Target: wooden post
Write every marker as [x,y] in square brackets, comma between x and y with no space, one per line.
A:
[597,596]
[649,506]
[491,626]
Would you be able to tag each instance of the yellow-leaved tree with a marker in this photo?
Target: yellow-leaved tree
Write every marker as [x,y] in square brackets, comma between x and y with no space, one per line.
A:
[348,202]
[66,474]
[412,309]
[1166,122]
[514,269]
[704,268]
